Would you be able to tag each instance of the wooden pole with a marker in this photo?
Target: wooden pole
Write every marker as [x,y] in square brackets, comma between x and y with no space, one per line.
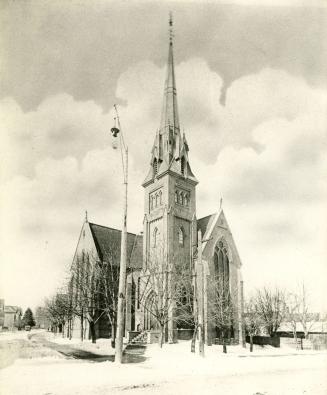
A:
[122,271]
[242,315]
[200,295]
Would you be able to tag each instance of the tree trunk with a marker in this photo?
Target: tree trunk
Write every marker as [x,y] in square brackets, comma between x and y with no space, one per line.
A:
[92,331]
[161,337]
[63,330]
[251,343]
[224,343]
[113,333]
[194,339]
[82,328]
[71,329]
[295,337]
[306,333]
[85,327]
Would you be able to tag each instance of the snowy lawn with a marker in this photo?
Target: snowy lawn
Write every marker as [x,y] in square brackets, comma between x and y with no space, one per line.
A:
[174,370]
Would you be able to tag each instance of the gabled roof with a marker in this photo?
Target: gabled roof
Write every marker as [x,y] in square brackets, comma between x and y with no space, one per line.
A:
[107,241]
[12,309]
[209,223]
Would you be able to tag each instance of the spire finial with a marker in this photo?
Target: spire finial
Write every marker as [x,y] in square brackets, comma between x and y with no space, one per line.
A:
[86,219]
[221,203]
[171,35]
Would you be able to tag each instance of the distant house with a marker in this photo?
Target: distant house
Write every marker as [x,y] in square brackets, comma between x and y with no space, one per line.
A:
[41,318]
[12,317]
[313,327]
[2,313]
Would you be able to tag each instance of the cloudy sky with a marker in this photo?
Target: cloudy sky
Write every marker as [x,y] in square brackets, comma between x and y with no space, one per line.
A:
[252,93]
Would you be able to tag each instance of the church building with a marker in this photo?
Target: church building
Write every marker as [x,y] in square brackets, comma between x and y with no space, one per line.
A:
[170,233]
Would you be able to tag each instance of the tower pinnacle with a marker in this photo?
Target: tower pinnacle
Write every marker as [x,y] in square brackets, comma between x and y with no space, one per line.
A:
[169,115]
[170,149]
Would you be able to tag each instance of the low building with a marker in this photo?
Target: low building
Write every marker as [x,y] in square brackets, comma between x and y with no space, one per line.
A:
[12,317]
[41,318]
[2,313]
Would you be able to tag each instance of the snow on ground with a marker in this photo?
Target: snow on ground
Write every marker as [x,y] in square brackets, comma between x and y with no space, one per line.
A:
[4,336]
[17,344]
[101,347]
[174,370]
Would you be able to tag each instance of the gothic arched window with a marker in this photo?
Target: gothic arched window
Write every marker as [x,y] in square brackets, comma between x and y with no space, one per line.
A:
[157,197]
[160,197]
[181,198]
[221,264]
[176,197]
[181,236]
[186,201]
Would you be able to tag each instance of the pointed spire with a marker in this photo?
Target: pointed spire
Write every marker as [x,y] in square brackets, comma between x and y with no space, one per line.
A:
[86,216]
[169,116]
[170,149]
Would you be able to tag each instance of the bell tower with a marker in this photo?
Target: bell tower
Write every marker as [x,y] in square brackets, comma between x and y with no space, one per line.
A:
[169,188]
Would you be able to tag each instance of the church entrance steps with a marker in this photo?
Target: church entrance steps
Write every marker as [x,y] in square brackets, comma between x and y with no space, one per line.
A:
[140,338]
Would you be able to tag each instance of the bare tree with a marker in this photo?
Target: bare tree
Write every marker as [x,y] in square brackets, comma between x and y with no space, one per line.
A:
[271,307]
[252,320]
[85,295]
[162,289]
[93,289]
[186,305]
[57,311]
[108,274]
[221,309]
[298,305]
[293,306]
[307,319]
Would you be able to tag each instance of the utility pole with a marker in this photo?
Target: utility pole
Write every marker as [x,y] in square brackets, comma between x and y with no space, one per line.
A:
[242,315]
[200,284]
[123,248]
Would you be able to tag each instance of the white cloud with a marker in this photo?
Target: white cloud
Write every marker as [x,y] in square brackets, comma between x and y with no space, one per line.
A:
[264,152]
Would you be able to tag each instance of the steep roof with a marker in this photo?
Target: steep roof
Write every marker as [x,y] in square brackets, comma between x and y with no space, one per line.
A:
[107,241]
[204,223]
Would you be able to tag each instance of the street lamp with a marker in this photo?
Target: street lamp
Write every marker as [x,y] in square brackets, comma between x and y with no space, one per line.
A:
[118,133]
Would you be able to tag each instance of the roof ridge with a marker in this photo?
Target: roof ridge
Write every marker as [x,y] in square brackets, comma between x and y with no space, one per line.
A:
[118,230]
[209,215]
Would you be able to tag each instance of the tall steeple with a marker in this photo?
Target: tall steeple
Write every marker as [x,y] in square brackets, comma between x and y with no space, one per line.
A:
[169,190]
[170,148]
[169,116]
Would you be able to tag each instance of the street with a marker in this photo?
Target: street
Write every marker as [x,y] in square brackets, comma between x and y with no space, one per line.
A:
[45,366]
